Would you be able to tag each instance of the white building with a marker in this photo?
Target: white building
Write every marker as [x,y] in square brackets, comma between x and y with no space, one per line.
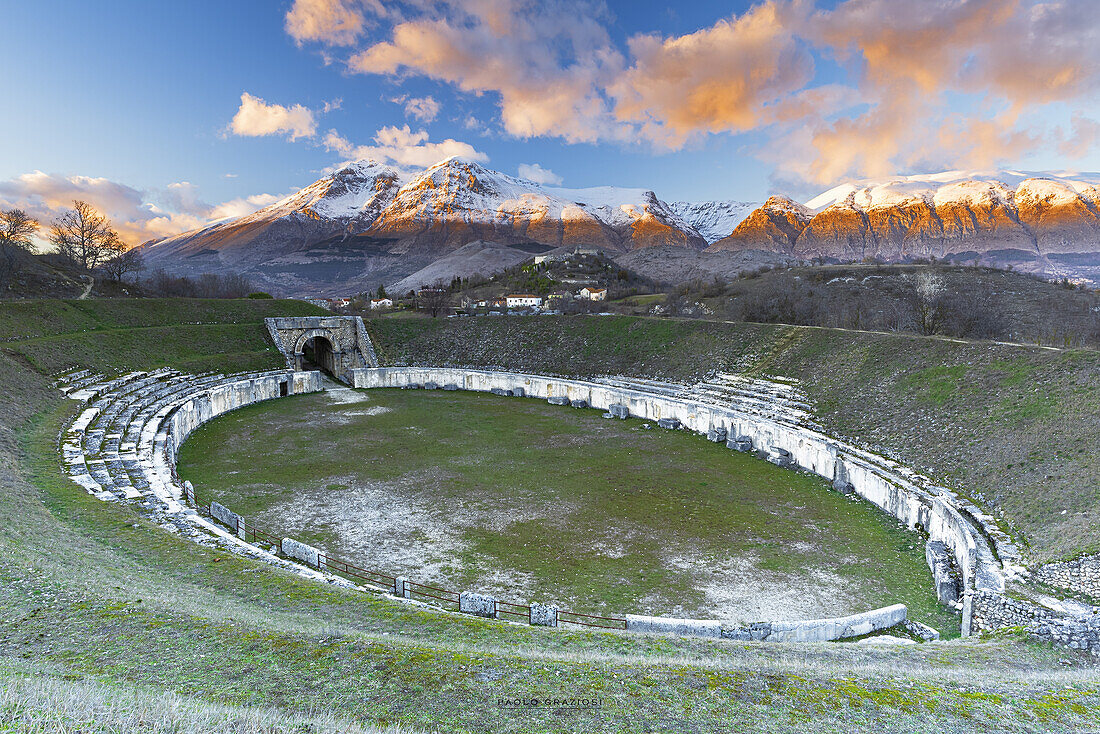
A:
[594,294]
[381,303]
[523,300]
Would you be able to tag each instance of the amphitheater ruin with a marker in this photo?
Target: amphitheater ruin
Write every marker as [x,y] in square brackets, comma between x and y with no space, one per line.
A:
[123,447]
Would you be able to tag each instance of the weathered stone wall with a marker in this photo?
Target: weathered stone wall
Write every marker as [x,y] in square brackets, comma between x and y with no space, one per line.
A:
[810,630]
[990,611]
[1080,575]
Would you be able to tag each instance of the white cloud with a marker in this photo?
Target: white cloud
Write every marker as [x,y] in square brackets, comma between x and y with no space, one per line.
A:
[333,22]
[256,118]
[538,174]
[402,146]
[137,215]
[424,109]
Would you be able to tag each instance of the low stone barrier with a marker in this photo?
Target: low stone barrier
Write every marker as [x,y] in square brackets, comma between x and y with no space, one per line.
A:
[307,554]
[814,630]
[1080,575]
[991,611]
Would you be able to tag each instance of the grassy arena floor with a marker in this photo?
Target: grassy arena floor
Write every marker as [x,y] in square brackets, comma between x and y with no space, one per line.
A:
[531,501]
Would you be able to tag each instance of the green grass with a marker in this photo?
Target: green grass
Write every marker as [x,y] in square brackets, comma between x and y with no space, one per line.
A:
[594,515]
[100,607]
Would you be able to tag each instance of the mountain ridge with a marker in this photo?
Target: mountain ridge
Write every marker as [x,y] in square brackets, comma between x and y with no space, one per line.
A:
[367,224]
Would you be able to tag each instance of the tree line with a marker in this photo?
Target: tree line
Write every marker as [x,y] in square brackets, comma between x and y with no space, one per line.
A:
[81,235]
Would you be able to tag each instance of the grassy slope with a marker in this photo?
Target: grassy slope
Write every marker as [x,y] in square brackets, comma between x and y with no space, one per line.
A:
[531,501]
[91,592]
[1011,426]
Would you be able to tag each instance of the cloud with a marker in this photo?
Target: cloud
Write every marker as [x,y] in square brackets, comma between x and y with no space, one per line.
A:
[137,215]
[332,22]
[538,174]
[718,79]
[256,118]
[921,83]
[546,61]
[403,147]
[424,109]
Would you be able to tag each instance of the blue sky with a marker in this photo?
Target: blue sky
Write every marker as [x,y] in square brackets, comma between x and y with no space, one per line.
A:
[139,96]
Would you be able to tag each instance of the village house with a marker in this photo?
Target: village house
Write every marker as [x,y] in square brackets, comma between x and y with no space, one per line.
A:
[593,294]
[523,300]
[376,303]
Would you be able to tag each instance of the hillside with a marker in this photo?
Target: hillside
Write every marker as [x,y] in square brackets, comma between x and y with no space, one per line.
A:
[112,623]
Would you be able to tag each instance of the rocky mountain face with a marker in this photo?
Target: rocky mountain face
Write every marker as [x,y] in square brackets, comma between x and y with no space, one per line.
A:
[713,219]
[368,224]
[1049,225]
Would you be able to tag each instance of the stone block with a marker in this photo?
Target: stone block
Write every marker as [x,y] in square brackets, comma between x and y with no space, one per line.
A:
[717,435]
[482,605]
[224,515]
[544,615]
[619,410]
[945,577]
[189,493]
[670,423]
[450,386]
[674,626]
[519,392]
[430,386]
[500,391]
[922,631]
[401,588]
[307,554]
[739,443]
[579,403]
[558,400]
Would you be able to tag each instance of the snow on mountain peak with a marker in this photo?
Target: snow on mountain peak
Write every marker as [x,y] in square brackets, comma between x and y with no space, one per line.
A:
[954,187]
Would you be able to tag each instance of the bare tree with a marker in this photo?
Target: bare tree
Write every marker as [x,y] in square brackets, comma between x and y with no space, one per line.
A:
[16,228]
[434,299]
[120,259]
[929,302]
[82,234]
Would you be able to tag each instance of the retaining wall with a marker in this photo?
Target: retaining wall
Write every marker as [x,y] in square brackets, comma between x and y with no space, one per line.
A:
[990,611]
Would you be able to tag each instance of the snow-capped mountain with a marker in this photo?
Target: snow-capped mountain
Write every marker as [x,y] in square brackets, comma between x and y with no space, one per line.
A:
[1048,223]
[713,219]
[367,224]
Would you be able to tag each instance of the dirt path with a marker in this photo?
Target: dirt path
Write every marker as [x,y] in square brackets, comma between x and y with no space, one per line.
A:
[88,288]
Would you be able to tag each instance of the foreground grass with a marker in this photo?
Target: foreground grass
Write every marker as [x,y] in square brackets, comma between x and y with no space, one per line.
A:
[532,501]
[97,602]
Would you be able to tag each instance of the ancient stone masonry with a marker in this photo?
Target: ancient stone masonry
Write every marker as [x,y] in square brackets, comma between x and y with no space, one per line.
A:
[989,611]
[1080,575]
[340,343]
[123,445]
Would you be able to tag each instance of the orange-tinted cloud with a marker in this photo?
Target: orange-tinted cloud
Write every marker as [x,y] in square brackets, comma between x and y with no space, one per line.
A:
[137,215]
[556,72]
[718,79]
[332,22]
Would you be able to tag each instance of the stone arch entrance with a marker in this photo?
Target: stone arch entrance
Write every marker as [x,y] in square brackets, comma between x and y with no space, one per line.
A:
[336,344]
[316,348]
